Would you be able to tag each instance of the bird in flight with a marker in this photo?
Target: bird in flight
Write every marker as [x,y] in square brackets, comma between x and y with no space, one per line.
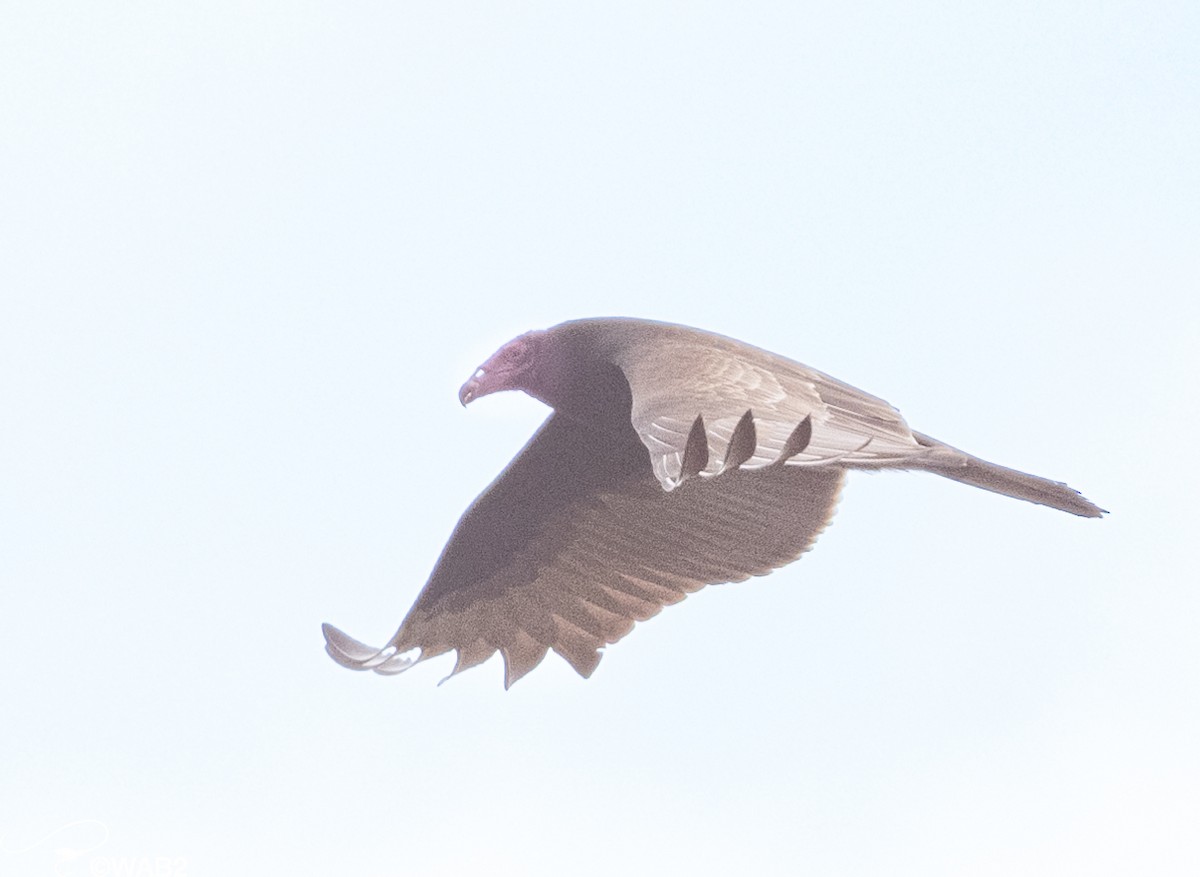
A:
[674,458]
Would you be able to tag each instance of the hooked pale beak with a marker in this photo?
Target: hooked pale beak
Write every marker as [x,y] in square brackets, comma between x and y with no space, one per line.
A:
[472,389]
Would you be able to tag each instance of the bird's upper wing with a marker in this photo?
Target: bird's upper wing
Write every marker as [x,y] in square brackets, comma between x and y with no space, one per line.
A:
[576,541]
[677,375]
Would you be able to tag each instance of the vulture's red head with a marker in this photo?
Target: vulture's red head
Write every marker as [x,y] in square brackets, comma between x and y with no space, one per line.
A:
[512,367]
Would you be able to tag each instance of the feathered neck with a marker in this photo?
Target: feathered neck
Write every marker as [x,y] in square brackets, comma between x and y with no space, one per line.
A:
[575,379]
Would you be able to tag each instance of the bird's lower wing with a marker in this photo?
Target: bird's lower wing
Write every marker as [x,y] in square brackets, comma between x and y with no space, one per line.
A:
[576,542]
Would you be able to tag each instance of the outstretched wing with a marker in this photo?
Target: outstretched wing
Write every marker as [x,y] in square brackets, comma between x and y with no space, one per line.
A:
[800,416]
[576,541]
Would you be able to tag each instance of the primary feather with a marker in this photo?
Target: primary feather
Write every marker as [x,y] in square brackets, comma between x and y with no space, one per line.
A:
[674,458]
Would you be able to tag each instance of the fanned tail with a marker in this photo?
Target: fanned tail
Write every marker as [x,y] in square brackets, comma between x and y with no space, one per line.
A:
[960,466]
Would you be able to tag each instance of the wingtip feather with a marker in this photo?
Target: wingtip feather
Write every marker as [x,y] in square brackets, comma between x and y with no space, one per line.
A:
[354,655]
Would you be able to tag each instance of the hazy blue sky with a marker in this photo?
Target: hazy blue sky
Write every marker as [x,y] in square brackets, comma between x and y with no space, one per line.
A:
[248,253]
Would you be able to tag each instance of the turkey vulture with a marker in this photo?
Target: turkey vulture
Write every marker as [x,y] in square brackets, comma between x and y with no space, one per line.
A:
[674,458]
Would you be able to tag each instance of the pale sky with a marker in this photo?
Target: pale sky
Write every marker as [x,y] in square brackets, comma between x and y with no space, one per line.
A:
[249,254]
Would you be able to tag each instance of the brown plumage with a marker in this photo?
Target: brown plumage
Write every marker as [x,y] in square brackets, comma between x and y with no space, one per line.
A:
[674,458]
